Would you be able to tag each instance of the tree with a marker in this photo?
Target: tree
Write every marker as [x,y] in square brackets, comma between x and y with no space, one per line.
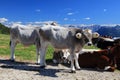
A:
[4,29]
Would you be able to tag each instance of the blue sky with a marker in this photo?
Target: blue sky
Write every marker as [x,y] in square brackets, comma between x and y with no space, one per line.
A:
[62,11]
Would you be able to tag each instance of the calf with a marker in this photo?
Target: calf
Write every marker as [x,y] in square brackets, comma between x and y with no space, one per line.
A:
[63,38]
[103,59]
[61,56]
[26,36]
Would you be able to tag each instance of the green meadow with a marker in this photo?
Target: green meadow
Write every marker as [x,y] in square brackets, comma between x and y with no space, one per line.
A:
[23,53]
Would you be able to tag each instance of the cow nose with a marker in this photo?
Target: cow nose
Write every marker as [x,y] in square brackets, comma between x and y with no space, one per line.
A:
[89,43]
[64,58]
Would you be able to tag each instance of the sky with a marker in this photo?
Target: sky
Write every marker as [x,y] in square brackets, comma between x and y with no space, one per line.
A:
[61,11]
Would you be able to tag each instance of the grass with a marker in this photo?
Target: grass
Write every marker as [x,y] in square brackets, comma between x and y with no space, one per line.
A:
[90,47]
[23,53]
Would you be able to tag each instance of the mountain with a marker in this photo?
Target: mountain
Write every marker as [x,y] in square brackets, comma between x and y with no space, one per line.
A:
[92,27]
[104,30]
[110,31]
[4,29]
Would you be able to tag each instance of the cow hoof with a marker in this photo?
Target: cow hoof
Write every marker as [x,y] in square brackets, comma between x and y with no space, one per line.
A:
[12,60]
[42,66]
[79,69]
[72,71]
[111,69]
[37,63]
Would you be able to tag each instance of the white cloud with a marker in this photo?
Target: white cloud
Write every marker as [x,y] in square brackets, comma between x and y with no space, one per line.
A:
[87,18]
[104,10]
[37,10]
[19,22]
[109,24]
[13,24]
[70,13]
[2,20]
[65,19]
[39,23]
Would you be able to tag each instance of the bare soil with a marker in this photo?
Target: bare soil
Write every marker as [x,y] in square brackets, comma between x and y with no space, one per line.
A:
[30,71]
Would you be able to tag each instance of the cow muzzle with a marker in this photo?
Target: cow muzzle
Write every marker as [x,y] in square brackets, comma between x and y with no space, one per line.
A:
[89,43]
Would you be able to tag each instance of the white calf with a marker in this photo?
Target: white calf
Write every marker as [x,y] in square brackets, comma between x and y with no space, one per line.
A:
[63,38]
[26,36]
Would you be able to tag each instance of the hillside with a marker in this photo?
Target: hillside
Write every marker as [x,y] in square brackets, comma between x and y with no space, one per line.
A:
[4,29]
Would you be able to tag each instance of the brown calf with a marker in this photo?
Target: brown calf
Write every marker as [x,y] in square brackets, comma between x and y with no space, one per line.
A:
[103,59]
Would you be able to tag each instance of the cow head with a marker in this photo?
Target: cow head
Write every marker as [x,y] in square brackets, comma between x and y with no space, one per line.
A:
[90,35]
[57,56]
[61,56]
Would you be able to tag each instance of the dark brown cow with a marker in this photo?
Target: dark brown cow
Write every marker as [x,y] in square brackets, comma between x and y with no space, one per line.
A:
[103,59]
[105,43]
[117,42]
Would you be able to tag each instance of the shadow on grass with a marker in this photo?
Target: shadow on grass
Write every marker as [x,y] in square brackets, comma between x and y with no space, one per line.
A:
[27,66]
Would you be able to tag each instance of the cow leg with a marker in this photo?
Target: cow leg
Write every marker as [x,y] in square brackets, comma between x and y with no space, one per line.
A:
[12,48]
[72,55]
[76,62]
[42,56]
[38,54]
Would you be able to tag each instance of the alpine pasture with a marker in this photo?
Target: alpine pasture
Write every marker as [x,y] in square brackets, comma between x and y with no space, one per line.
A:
[22,53]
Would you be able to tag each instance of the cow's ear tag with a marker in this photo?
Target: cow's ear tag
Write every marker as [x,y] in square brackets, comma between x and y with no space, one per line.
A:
[95,35]
[78,35]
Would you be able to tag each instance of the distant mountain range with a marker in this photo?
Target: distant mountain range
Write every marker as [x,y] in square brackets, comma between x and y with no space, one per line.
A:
[113,31]
[110,31]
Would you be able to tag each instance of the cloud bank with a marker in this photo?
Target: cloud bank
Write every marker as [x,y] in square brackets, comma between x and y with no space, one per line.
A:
[2,20]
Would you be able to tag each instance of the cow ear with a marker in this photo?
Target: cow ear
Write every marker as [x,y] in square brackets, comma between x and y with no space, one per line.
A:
[95,35]
[54,23]
[78,35]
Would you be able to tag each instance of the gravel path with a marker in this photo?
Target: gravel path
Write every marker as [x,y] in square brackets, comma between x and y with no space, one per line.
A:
[30,71]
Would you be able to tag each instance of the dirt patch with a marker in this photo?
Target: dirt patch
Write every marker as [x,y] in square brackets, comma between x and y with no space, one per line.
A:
[4,47]
[30,71]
